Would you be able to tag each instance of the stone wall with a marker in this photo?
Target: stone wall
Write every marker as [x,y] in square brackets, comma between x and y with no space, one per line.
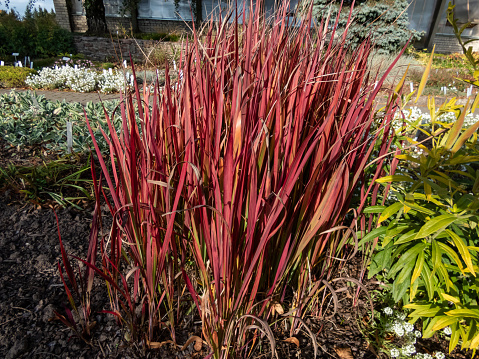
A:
[164,26]
[78,23]
[101,49]
[123,23]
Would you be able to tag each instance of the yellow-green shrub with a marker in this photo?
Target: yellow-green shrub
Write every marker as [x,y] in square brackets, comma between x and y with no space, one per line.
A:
[14,76]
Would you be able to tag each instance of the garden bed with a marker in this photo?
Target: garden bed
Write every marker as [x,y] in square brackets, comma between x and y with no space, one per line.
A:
[259,207]
[31,290]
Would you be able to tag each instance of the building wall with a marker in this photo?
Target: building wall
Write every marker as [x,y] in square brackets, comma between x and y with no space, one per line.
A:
[445,40]
[448,44]
[78,23]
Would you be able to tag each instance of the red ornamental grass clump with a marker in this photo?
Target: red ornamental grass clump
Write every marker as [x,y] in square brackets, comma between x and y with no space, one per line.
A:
[234,182]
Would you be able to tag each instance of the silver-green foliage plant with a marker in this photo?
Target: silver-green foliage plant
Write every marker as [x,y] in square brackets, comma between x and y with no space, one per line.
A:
[27,119]
[386,23]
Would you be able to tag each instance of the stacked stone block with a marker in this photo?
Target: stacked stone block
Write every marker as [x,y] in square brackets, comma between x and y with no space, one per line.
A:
[101,48]
[61,11]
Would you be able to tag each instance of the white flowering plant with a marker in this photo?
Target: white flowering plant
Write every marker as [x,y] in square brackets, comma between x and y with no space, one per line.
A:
[79,79]
[418,120]
[393,335]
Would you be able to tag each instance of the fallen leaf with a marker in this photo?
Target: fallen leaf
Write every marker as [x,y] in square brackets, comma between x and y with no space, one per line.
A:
[278,308]
[344,352]
[292,340]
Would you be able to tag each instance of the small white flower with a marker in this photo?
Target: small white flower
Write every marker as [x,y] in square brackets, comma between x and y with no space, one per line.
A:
[401,316]
[417,333]
[411,338]
[388,311]
[409,349]
[440,355]
[447,331]
[399,331]
[427,356]
[395,353]
[408,327]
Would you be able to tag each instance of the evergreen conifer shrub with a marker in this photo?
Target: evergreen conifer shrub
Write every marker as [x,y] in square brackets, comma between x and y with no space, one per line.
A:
[386,22]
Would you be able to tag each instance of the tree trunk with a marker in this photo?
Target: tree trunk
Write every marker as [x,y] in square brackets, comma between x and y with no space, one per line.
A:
[95,17]
[134,19]
[198,15]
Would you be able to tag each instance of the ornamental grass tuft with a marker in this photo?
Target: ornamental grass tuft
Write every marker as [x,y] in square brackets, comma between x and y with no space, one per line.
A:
[233,184]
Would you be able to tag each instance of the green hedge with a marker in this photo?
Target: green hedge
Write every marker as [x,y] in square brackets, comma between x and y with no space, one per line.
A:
[36,35]
[14,76]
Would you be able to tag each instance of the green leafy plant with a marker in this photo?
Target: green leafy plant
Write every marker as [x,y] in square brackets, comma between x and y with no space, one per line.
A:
[427,230]
[107,65]
[390,332]
[59,181]
[36,35]
[468,51]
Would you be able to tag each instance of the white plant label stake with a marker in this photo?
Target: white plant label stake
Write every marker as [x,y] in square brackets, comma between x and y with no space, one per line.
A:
[125,65]
[110,71]
[469,91]
[411,85]
[69,137]
[31,65]
[36,106]
[2,63]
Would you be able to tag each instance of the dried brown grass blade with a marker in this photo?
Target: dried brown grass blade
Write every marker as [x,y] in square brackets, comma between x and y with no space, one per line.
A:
[198,343]
[157,345]
[266,330]
[310,333]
